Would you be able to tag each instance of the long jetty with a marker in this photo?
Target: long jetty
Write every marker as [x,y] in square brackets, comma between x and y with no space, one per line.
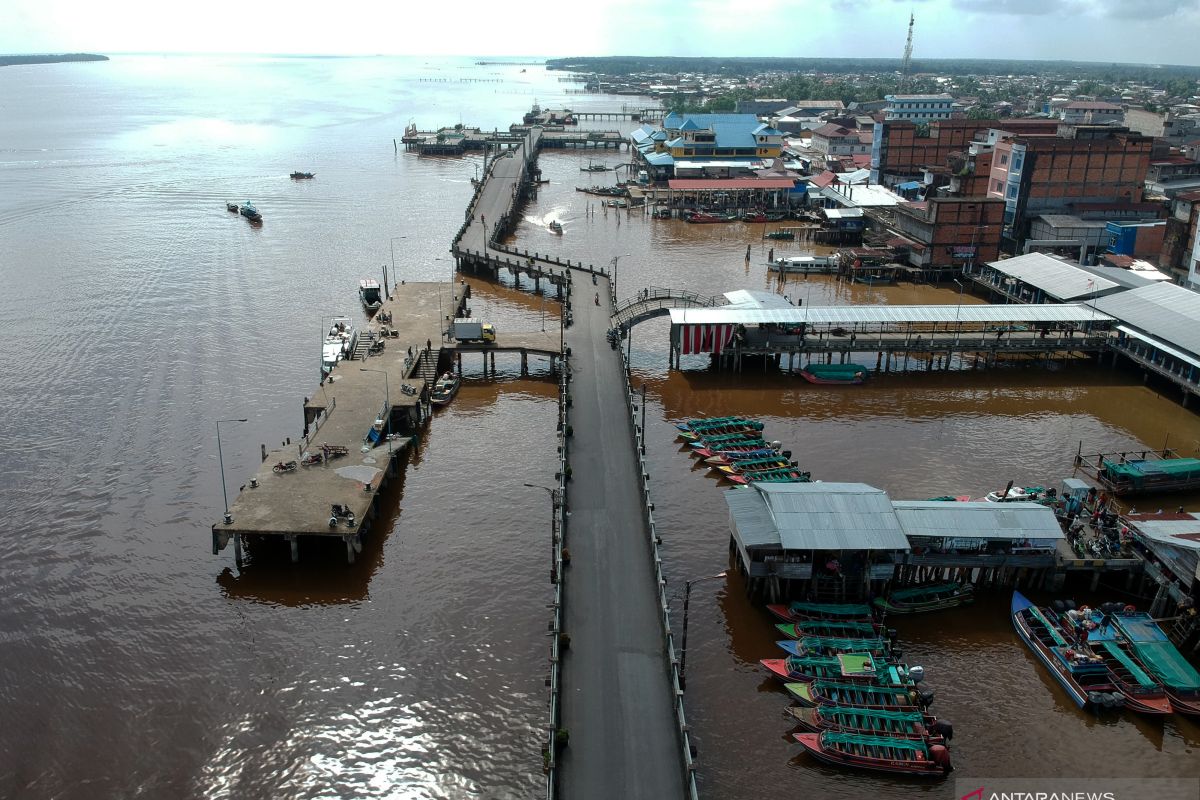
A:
[615,688]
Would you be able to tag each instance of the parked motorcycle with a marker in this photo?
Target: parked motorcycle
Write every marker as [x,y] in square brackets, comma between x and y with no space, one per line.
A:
[284,466]
[311,459]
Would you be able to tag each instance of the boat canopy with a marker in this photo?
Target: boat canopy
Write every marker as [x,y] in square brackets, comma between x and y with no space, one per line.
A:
[832,738]
[1156,650]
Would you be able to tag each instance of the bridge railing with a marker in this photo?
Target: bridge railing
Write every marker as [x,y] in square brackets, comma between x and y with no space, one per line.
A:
[663,292]
[687,762]
[558,534]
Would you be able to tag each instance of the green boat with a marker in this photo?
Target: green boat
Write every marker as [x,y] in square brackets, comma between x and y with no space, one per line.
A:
[843,629]
[832,646]
[929,597]
[827,374]
[798,610]
[1128,478]
[872,721]
[1158,655]
[786,236]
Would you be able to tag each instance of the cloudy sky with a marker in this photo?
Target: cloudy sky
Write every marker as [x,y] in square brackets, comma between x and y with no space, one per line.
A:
[1145,31]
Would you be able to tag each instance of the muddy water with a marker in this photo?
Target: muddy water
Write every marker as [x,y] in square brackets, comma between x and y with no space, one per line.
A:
[139,311]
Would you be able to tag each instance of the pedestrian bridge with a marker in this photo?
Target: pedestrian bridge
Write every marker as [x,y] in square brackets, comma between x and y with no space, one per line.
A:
[657,301]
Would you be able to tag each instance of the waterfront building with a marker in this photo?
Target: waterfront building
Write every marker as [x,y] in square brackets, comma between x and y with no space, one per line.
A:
[900,150]
[1159,331]
[835,140]
[741,141]
[948,233]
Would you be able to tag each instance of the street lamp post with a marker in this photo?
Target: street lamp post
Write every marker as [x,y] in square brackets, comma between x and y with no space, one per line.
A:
[616,260]
[553,524]
[221,460]
[392,247]
[687,594]
[957,309]
[387,402]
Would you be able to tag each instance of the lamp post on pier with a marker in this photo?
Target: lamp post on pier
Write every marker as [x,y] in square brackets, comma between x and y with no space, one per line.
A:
[616,260]
[958,308]
[392,247]
[221,460]
[387,402]
[554,534]
[687,594]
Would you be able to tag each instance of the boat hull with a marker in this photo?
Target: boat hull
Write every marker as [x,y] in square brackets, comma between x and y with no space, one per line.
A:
[896,766]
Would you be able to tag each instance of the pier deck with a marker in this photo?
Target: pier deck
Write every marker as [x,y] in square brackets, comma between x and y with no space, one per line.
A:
[343,411]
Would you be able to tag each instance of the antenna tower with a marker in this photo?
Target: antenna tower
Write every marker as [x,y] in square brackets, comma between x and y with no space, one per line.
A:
[906,62]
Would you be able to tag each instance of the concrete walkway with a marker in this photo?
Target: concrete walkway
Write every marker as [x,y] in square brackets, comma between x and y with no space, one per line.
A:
[616,695]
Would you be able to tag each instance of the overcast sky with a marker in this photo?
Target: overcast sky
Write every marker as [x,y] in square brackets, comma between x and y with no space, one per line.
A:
[1144,31]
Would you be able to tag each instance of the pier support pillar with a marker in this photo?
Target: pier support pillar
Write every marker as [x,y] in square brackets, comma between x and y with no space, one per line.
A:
[294,543]
[350,548]
[1095,579]
[237,549]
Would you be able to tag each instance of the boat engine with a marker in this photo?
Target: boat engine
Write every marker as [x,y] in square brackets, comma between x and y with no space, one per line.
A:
[897,654]
[892,633]
[1117,700]
[925,698]
[941,756]
[917,673]
[943,728]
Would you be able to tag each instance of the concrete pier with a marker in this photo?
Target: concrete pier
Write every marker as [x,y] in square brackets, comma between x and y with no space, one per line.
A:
[342,412]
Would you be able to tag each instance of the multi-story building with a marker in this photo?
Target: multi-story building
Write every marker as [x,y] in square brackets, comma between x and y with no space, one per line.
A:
[835,140]
[952,231]
[1086,112]
[1082,166]
[899,154]
[918,107]
[729,143]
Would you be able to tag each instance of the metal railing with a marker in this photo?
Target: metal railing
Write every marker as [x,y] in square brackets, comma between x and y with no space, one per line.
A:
[558,534]
[685,742]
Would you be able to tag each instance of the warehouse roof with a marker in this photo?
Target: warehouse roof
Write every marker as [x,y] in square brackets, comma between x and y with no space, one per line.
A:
[816,516]
[1165,311]
[1056,278]
[981,520]
[882,315]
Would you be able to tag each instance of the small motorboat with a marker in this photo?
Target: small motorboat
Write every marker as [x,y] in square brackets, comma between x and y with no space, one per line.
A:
[841,628]
[834,374]
[855,667]
[370,295]
[1084,676]
[1147,642]
[704,218]
[556,227]
[299,176]
[861,695]
[800,610]
[791,475]
[1016,494]
[827,646]
[871,721]
[445,389]
[231,207]
[1142,692]
[339,343]
[880,753]
[802,265]
[929,597]
[250,212]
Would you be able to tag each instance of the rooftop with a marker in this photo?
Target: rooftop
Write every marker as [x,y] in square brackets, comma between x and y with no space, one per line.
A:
[893,315]
[816,516]
[1056,278]
[977,520]
[1166,311]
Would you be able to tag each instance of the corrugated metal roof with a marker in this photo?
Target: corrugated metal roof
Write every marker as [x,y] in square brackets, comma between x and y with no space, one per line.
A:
[749,298]
[882,315]
[977,520]
[752,521]
[1166,348]
[731,183]
[1164,310]
[832,516]
[1056,278]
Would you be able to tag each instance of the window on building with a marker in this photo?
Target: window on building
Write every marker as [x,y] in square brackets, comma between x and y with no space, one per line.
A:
[1012,191]
[1003,159]
[997,186]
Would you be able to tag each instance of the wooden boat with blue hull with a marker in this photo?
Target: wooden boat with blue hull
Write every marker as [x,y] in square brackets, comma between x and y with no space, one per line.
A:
[872,722]
[1155,652]
[733,446]
[826,646]
[840,628]
[1083,676]
[444,389]
[707,422]
[1142,692]
[878,753]
[727,439]
[800,610]
[834,374]
[755,465]
[707,434]
[929,597]
[859,695]
[248,211]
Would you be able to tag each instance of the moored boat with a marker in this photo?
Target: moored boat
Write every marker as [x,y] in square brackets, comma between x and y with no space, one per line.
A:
[760,464]
[840,628]
[780,235]
[854,667]
[872,721]
[338,344]
[729,429]
[726,458]
[370,295]
[831,646]
[1016,494]
[833,374]
[696,424]
[444,389]
[878,753]
[1083,676]
[1142,692]
[802,264]
[760,448]
[555,227]
[297,176]
[231,207]
[770,476]
[1158,655]
[860,695]
[928,597]
[800,610]
[703,217]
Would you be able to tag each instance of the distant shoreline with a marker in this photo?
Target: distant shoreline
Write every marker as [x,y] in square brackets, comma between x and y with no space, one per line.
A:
[12,61]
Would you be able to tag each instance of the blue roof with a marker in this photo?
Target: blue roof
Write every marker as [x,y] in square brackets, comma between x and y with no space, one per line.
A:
[731,130]
[641,134]
[766,130]
[659,136]
[689,125]
[659,159]
[909,185]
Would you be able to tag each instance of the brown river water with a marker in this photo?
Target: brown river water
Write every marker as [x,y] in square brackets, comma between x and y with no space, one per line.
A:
[138,311]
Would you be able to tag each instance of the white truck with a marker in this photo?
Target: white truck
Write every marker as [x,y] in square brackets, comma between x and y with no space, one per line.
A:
[473,330]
